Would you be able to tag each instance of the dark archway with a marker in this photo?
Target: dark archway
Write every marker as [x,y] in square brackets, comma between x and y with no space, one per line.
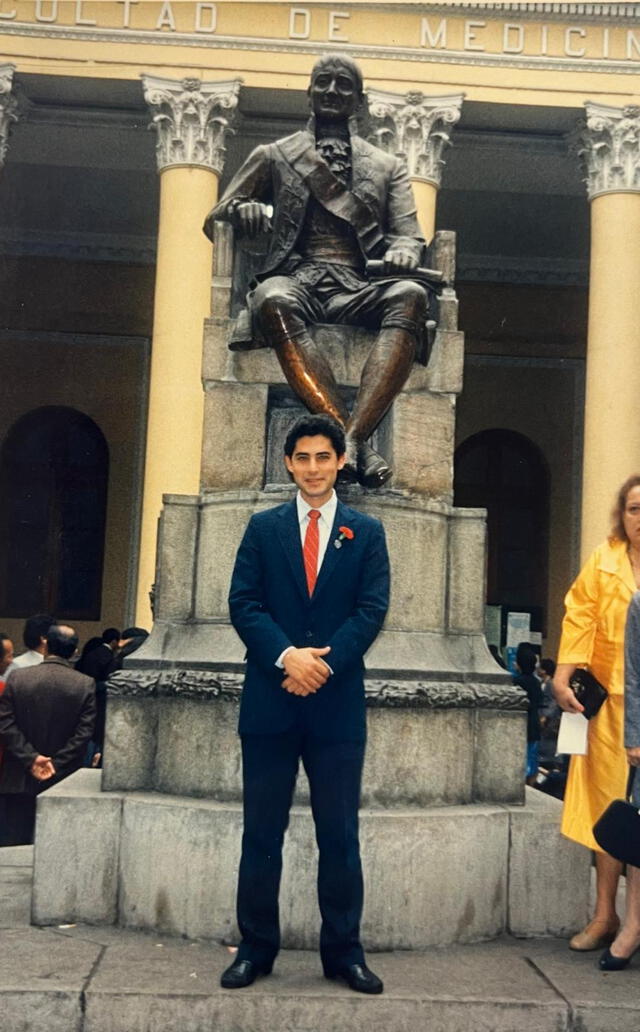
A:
[505,473]
[54,467]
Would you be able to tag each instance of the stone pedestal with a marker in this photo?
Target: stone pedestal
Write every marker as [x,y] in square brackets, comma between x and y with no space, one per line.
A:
[435,875]
[445,847]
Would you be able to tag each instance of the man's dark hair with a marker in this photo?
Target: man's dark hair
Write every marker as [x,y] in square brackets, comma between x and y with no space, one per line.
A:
[110,634]
[35,628]
[134,632]
[60,642]
[339,59]
[3,648]
[549,666]
[526,658]
[314,426]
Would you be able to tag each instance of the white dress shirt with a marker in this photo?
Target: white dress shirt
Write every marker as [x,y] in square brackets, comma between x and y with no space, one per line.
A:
[325,524]
[27,659]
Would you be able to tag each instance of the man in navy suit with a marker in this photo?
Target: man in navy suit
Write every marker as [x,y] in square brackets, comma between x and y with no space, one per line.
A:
[307,601]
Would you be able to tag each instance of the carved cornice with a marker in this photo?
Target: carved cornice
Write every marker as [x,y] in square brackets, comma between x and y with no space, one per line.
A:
[607,145]
[205,685]
[416,128]
[8,108]
[192,119]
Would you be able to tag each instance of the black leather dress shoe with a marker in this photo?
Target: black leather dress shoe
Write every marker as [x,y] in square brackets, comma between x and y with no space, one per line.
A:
[609,962]
[358,977]
[242,973]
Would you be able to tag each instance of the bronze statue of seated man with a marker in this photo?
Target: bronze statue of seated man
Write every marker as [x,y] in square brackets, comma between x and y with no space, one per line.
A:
[338,202]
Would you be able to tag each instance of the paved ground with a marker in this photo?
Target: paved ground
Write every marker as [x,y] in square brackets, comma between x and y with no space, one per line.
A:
[82,979]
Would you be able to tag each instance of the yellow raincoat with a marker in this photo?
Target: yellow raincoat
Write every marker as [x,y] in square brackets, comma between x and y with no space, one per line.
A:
[593,635]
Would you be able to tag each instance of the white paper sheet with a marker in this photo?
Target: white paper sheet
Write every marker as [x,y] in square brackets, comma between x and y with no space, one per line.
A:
[572,736]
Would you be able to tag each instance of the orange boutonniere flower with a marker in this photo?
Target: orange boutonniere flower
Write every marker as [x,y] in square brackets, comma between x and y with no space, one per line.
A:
[346,533]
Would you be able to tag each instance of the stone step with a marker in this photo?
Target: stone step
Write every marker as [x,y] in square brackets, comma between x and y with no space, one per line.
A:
[433,876]
[84,979]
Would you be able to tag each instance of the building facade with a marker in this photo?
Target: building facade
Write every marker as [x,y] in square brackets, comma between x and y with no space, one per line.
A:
[520,126]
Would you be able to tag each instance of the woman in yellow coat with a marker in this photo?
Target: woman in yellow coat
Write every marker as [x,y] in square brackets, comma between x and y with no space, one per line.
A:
[593,635]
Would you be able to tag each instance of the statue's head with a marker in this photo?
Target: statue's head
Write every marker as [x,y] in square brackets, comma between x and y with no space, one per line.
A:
[335,90]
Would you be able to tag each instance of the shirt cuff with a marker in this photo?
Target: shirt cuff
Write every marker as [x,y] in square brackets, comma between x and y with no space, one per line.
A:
[279,660]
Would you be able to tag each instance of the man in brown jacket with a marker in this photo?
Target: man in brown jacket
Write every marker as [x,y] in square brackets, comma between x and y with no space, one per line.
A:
[47,716]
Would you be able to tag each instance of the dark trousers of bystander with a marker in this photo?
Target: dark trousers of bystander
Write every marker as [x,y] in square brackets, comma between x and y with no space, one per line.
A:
[17,818]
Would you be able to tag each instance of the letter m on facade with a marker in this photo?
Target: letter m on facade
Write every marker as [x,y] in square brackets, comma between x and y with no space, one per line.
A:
[431,39]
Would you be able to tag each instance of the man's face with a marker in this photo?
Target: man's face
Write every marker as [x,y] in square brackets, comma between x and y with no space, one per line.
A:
[333,92]
[7,655]
[314,466]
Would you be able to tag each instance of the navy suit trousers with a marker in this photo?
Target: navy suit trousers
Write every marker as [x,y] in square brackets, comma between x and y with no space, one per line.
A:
[334,770]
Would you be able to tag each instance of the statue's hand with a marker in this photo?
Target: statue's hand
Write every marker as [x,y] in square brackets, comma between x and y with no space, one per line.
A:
[253,217]
[398,260]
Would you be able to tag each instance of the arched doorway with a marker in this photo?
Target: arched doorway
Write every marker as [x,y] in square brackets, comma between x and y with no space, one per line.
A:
[54,467]
[505,472]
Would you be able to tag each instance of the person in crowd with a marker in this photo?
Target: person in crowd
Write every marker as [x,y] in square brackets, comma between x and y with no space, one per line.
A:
[550,713]
[6,660]
[308,596]
[617,956]
[88,647]
[546,670]
[593,635]
[100,658]
[47,713]
[495,652]
[95,747]
[132,639]
[100,662]
[526,679]
[6,656]
[34,636]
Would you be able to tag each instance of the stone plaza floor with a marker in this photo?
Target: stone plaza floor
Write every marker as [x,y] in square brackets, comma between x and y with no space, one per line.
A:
[104,979]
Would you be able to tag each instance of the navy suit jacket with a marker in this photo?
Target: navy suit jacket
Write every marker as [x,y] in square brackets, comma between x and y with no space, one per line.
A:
[270,609]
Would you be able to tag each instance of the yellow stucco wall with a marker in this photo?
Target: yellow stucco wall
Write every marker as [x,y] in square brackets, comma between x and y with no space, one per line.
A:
[499,59]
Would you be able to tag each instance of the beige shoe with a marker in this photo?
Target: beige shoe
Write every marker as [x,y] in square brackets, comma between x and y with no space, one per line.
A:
[595,936]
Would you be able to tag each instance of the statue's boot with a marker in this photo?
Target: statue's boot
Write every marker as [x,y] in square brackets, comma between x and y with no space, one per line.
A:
[373,470]
[383,377]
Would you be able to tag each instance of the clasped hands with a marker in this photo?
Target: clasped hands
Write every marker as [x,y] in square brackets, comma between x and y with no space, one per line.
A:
[42,768]
[305,669]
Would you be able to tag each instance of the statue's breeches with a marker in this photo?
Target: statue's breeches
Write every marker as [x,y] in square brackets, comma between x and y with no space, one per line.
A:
[282,305]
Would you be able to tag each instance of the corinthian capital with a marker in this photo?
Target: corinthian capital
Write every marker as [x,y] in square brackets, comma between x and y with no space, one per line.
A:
[414,127]
[608,147]
[192,119]
[8,107]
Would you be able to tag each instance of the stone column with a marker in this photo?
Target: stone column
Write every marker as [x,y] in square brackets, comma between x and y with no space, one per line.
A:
[609,147]
[416,128]
[8,108]
[192,119]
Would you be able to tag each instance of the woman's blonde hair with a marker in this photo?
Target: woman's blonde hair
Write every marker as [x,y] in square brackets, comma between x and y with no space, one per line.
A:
[617,523]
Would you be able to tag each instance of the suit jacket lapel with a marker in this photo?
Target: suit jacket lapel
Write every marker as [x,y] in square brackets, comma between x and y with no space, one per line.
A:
[332,554]
[289,534]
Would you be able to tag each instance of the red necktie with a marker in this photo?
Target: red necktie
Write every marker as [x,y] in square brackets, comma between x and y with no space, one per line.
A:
[311,549]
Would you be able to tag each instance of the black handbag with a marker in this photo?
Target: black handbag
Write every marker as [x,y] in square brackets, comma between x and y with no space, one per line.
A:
[588,691]
[618,830]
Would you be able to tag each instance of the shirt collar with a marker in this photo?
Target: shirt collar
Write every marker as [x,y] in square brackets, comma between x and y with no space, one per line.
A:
[327,511]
